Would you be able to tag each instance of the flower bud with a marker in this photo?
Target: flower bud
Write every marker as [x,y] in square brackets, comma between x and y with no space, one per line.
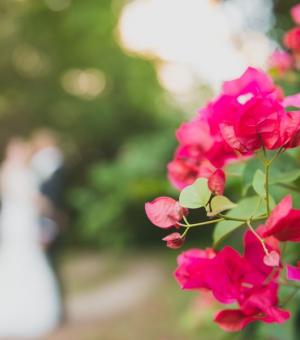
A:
[174,240]
[216,182]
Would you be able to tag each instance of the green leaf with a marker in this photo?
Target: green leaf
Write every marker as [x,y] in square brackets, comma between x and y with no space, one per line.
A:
[283,164]
[259,183]
[286,177]
[235,169]
[250,169]
[196,195]
[219,204]
[246,208]
[283,167]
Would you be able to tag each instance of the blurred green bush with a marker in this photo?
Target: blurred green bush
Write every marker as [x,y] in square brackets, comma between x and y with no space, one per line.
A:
[62,67]
[117,141]
[110,205]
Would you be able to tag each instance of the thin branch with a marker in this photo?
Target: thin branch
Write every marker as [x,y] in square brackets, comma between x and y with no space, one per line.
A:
[191,225]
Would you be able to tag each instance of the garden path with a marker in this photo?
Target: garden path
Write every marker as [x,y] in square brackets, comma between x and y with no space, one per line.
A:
[114,297]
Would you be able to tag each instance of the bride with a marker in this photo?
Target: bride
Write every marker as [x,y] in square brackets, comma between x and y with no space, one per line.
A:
[29,298]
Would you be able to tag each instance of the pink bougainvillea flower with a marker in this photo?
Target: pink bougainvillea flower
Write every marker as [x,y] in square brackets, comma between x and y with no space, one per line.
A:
[222,154]
[188,165]
[281,61]
[182,172]
[231,277]
[291,129]
[257,124]
[199,154]
[255,255]
[254,82]
[195,132]
[284,222]
[291,39]
[293,101]
[216,182]
[248,113]
[191,273]
[295,13]
[261,304]
[291,122]
[174,240]
[292,272]
[234,320]
[227,274]
[229,270]
[164,212]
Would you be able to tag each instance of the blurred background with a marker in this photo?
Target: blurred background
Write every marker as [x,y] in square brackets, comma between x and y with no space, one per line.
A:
[114,79]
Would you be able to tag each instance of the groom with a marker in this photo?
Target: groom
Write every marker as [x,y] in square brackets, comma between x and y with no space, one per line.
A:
[47,163]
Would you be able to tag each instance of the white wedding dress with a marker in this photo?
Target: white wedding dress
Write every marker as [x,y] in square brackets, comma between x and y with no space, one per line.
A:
[29,300]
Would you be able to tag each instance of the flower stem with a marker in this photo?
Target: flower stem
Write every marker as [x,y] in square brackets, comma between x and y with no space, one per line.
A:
[225,217]
[189,225]
[280,151]
[222,218]
[267,164]
[267,171]
[230,218]
[258,237]
[289,297]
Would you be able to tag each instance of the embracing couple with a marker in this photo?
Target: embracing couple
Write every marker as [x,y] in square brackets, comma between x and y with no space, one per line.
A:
[30,188]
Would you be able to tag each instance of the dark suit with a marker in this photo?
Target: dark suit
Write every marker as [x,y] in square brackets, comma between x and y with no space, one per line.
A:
[52,188]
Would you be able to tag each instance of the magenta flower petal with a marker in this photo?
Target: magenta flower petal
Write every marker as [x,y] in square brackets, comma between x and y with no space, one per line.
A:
[295,13]
[216,182]
[261,305]
[193,268]
[293,100]
[292,273]
[291,39]
[252,78]
[233,320]
[164,212]
[272,259]
[284,222]
[189,134]
[248,113]
[291,129]
[281,61]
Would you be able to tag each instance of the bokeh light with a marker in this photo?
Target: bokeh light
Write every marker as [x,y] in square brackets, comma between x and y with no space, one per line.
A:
[86,84]
[208,37]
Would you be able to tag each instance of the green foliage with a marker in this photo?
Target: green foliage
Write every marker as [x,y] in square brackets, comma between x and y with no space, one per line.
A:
[287,177]
[117,140]
[248,207]
[284,173]
[219,204]
[283,170]
[196,195]
[110,206]
[259,183]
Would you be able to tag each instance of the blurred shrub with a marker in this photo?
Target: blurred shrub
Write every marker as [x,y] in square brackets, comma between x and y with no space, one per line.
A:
[110,207]
[62,67]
